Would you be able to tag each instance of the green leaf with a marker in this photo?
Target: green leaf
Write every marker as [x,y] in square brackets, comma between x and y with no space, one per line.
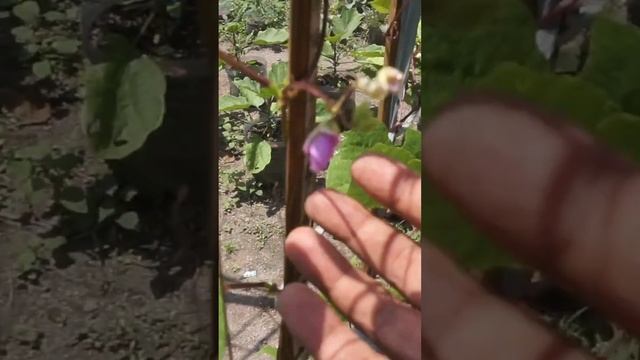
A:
[22,34]
[45,250]
[354,144]
[363,119]
[25,260]
[369,51]
[413,142]
[53,16]
[35,152]
[611,63]
[570,96]
[27,11]
[468,38]
[222,322]
[279,76]
[19,171]
[232,103]
[327,49]
[322,112]
[257,155]
[272,37]
[128,220]
[104,213]
[66,46]
[344,25]
[124,103]
[41,69]
[73,198]
[250,90]
[270,350]
[381,6]
[622,132]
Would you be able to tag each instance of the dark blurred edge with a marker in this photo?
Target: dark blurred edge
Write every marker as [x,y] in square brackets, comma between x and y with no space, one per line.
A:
[209,36]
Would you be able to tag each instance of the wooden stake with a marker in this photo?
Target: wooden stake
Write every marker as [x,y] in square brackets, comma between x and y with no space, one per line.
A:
[304,42]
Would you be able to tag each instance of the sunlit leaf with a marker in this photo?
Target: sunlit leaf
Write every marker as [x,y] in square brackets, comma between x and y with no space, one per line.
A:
[257,155]
[232,103]
[272,37]
[381,6]
[344,25]
[250,90]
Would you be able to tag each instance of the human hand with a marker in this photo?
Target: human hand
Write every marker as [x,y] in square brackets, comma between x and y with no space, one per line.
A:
[393,326]
[551,196]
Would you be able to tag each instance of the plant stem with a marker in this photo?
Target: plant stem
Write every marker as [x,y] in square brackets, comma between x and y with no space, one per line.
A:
[244,68]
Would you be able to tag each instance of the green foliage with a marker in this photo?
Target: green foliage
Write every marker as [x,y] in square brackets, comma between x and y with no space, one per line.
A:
[27,11]
[271,351]
[468,39]
[124,103]
[343,26]
[271,37]
[368,136]
[611,65]
[257,155]
[232,103]
[222,322]
[382,6]
[567,95]
[465,51]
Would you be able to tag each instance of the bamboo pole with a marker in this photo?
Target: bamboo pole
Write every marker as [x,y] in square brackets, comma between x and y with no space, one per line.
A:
[390,53]
[304,42]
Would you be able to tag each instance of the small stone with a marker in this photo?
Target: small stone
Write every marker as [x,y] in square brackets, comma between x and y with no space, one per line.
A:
[249,274]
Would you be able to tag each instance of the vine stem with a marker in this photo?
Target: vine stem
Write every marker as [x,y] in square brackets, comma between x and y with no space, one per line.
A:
[244,68]
[300,85]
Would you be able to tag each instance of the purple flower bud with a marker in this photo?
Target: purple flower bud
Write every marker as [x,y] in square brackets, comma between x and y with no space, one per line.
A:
[319,148]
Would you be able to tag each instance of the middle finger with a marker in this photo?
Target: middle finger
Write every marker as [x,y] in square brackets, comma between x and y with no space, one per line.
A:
[394,326]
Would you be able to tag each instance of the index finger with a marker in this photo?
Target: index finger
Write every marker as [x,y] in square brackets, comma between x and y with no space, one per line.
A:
[546,192]
[392,184]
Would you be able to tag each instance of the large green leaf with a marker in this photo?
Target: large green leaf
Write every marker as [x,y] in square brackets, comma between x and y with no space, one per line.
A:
[381,6]
[232,103]
[272,37]
[612,65]
[622,132]
[573,97]
[344,25]
[257,155]
[468,38]
[370,136]
[27,11]
[123,105]
[250,90]
[279,77]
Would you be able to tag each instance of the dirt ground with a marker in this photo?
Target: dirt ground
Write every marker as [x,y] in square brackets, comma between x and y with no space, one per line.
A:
[78,307]
[106,297]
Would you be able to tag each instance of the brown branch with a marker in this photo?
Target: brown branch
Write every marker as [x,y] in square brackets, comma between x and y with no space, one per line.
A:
[242,67]
[311,88]
[267,286]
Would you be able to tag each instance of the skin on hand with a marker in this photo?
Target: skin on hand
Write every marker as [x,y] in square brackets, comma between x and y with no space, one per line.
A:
[394,326]
[544,191]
